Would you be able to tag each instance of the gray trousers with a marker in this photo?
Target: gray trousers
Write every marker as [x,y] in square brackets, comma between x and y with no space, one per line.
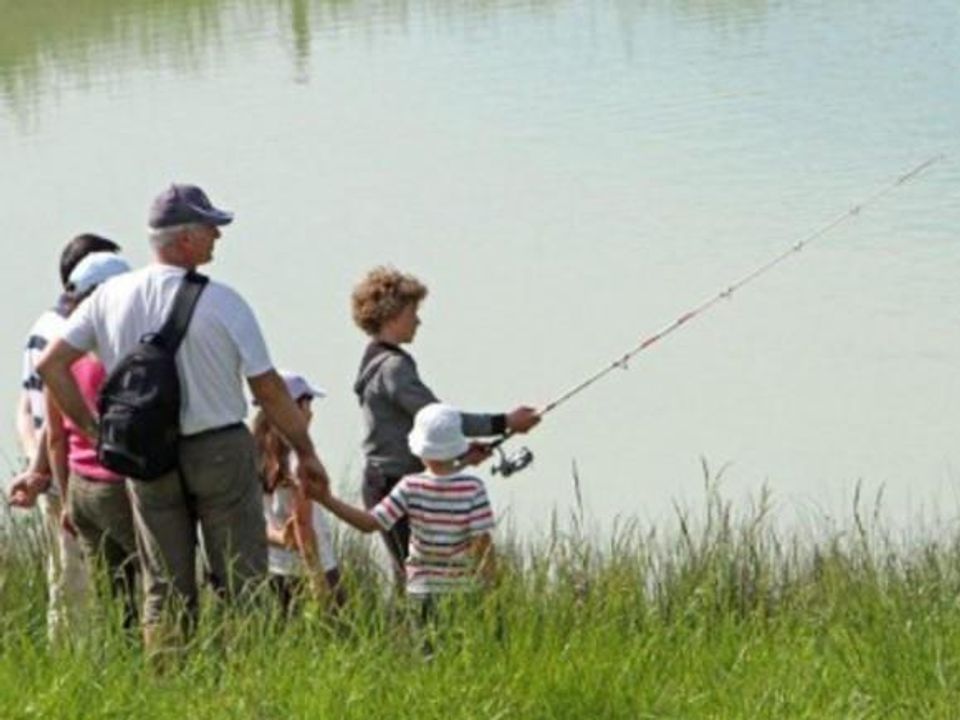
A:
[217,489]
[376,486]
[101,514]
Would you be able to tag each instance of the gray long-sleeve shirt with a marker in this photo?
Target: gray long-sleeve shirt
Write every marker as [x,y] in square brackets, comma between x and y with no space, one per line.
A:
[391,392]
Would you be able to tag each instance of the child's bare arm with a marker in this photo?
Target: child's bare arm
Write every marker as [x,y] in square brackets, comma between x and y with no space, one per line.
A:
[306,539]
[360,519]
[303,529]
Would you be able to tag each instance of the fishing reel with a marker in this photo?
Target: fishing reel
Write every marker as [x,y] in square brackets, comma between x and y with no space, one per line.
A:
[507,465]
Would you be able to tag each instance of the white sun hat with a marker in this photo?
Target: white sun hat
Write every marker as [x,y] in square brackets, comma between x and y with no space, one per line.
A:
[437,433]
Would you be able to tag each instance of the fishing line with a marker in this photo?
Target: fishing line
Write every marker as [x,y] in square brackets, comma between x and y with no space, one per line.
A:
[508,464]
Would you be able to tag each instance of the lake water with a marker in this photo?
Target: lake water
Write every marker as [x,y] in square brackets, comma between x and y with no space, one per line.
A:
[567,177]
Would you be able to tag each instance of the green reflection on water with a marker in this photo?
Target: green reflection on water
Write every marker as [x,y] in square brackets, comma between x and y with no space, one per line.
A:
[46,44]
[43,40]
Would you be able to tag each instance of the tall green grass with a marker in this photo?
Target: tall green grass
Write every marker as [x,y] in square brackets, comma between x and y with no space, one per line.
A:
[721,616]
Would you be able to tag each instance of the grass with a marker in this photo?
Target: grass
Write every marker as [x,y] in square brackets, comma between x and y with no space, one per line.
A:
[720,617]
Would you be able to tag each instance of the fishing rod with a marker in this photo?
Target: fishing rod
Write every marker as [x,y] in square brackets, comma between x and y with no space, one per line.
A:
[507,465]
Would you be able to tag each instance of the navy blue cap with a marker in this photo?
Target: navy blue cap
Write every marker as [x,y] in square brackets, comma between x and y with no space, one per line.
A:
[182,204]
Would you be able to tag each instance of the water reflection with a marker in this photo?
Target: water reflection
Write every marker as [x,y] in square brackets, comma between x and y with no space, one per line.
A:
[300,25]
[47,46]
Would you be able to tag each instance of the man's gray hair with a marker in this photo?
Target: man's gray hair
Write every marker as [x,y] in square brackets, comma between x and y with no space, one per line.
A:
[161,237]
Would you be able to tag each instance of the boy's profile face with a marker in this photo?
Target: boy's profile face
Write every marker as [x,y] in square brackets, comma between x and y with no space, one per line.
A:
[406,322]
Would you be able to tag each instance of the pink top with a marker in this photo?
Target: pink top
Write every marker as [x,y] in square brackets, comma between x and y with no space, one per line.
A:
[81,453]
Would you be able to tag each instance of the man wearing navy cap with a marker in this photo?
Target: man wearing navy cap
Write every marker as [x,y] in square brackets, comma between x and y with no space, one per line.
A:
[217,487]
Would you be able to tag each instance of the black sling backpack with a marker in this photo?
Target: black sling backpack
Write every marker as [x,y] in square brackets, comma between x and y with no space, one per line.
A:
[139,402]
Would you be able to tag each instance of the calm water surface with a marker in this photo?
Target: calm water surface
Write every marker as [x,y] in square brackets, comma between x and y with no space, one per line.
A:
[567,177]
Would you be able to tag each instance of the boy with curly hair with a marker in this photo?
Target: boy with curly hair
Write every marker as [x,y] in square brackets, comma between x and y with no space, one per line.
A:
[385,306]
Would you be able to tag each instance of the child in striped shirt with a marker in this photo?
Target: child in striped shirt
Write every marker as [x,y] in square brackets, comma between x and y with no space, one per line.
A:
[450,516]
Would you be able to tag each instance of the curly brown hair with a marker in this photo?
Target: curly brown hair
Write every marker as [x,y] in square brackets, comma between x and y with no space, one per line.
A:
[382,295]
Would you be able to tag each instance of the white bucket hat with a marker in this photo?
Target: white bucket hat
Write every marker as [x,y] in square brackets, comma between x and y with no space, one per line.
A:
[437,433]
[298,387]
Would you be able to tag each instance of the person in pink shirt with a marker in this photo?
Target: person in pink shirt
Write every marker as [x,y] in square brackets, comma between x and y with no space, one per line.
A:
[97,508]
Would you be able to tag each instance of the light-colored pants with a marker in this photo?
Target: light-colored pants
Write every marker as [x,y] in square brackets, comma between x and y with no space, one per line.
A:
[67,577]
[217,488]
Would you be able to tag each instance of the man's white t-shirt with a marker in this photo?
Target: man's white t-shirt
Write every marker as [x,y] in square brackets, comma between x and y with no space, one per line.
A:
[223,343]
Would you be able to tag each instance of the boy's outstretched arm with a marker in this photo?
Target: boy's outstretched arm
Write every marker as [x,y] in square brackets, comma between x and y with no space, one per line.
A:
[360,519]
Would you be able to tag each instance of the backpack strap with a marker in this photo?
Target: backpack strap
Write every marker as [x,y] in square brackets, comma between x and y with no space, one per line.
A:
[184,303]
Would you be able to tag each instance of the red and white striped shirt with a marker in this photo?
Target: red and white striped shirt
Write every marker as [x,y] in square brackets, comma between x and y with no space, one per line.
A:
[446,514]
